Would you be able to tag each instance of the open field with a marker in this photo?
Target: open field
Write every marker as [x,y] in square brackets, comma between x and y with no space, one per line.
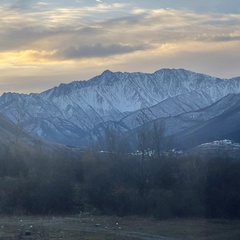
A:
[88,227]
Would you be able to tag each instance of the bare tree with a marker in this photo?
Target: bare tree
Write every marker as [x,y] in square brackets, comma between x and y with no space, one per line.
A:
[157,136]
[143,145]
[111,140]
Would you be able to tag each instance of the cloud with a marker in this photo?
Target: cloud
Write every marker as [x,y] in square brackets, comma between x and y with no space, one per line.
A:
[98,50]
[119,36]
[225,38]
[20,4]
[214,6]
[43,3]
[62,28]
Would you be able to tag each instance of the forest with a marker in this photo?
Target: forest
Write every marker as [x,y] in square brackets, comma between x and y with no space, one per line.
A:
[119,183]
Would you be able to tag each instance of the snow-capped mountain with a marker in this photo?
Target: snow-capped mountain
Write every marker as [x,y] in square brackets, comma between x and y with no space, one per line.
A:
[74,113]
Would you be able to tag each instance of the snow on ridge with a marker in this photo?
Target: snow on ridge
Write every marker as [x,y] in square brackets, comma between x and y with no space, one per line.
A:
[223,142]
[121,88]
[112,95]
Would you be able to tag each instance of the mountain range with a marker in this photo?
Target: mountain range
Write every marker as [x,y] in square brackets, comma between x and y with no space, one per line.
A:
[194,108]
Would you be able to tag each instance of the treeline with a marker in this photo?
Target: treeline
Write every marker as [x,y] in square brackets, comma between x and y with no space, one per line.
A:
[122,184]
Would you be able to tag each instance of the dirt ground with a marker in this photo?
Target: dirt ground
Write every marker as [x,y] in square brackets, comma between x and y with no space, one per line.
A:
[88,227]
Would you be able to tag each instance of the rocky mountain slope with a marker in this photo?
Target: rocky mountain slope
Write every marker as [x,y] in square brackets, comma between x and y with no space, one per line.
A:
[76,113]
[16,143]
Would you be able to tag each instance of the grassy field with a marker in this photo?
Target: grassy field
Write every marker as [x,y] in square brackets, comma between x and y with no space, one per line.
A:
[86,227]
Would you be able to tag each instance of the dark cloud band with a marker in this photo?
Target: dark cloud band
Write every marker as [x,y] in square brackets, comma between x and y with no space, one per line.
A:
[98,50]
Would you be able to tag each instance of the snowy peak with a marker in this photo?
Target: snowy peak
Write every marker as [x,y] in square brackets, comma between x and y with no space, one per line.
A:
[165,83]
[107,78]
[107,73]
[71,111]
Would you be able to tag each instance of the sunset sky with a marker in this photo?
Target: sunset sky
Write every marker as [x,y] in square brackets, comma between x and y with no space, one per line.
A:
[45,43]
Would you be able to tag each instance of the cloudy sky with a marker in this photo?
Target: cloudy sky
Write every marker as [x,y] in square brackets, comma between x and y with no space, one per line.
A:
[44,43]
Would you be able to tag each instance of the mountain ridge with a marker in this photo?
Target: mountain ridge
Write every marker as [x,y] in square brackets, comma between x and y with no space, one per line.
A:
[68,113]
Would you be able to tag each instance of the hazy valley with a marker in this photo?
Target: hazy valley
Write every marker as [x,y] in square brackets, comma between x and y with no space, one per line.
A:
[122,144]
